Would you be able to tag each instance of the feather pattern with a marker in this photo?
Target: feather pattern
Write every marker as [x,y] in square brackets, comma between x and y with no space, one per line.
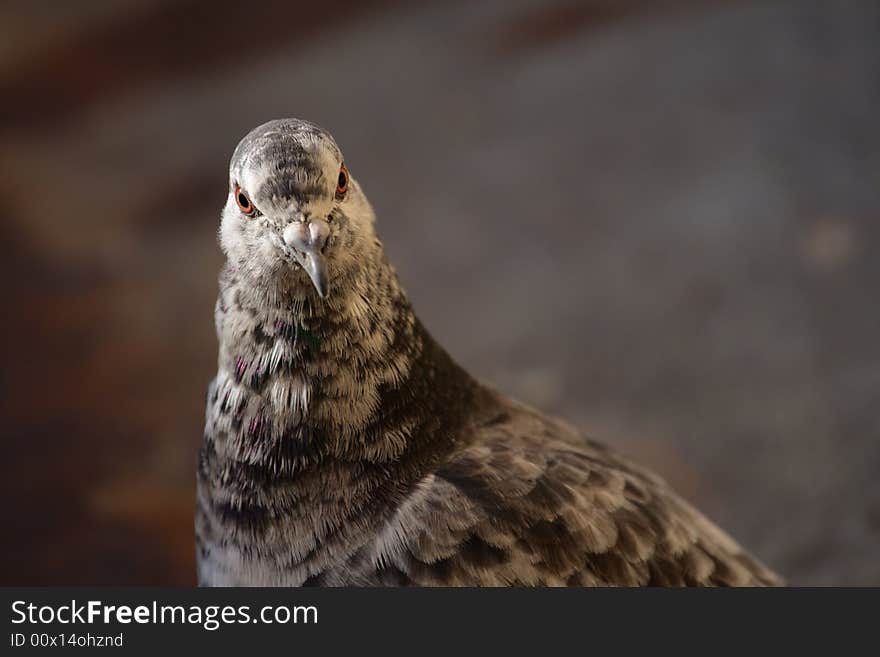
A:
[343,446]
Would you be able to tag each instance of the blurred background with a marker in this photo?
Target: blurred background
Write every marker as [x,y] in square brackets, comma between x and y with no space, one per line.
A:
[672,213]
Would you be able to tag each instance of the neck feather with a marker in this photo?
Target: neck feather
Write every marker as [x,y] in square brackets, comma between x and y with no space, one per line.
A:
[354,377]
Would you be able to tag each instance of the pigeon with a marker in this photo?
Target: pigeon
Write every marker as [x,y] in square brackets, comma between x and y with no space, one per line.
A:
[344,447]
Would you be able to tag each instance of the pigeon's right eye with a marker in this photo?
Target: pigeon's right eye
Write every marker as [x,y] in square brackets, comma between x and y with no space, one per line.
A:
[244,203]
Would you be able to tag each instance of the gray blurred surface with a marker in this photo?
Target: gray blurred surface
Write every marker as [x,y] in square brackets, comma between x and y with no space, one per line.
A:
[660,221]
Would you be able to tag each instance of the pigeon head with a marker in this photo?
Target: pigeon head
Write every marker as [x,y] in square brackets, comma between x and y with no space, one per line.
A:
[294,214]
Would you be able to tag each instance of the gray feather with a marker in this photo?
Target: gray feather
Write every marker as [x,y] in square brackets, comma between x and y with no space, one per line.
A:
[343,446]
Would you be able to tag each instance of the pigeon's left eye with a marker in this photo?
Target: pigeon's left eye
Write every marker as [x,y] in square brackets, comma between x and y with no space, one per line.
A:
[244,203]
[342,183]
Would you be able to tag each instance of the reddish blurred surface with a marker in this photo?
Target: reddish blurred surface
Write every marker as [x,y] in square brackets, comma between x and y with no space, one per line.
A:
[659,219]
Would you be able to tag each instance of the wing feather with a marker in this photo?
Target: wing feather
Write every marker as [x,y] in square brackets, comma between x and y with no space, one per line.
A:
[530,502]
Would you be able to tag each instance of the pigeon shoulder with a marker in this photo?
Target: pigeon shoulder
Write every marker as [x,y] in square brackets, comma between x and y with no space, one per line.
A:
[528,501]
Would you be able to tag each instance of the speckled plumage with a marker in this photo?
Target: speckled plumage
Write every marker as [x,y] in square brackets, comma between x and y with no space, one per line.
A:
[343,446]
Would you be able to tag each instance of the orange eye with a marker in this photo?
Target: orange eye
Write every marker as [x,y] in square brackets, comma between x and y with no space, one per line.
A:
[342,183]
[244,203]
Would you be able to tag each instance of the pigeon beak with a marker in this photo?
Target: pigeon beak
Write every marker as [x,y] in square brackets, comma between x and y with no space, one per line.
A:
[306,239]
[316,267]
